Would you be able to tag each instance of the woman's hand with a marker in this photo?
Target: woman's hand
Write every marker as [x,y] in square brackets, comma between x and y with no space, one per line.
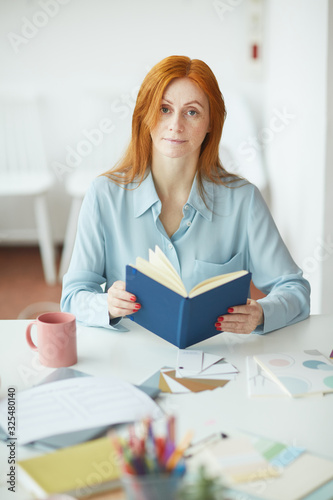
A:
[241,319]
[120,302]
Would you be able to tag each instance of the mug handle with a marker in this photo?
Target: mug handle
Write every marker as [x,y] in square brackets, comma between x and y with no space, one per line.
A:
[28,336]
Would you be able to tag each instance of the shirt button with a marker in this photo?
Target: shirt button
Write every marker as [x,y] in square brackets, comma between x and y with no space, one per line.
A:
[170,246]
[186,207]
[188,223]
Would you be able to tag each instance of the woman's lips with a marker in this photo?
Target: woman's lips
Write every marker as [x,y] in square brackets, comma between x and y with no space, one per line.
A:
[174,141]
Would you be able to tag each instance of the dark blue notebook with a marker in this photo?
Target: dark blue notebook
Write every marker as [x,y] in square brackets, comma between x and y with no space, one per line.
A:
[183,321]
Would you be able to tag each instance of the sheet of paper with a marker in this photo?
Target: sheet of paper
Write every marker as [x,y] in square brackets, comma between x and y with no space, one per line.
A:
[170,383]
[299,373]
[298,480]
[192,363]
[259,383]
[216,376]
[277,453]
[216,370]
[174,386]
[210,359]
[75,404]
[189,361]
[237,460]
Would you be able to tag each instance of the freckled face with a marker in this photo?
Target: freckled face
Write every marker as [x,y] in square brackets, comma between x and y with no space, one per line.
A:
[184,120]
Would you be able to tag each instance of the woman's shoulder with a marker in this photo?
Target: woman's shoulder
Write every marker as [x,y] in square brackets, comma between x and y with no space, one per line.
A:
[238,193]
[236,187]
[102,182]
[104,185]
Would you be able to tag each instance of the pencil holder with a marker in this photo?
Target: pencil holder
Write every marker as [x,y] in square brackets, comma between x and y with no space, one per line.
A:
[151,486]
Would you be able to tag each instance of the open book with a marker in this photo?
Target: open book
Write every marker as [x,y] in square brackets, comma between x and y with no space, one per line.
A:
[160,269]
[180,317]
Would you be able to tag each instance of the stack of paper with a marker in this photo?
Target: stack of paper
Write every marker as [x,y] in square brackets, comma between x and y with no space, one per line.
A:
[196,371]
[297,374]
[78,403]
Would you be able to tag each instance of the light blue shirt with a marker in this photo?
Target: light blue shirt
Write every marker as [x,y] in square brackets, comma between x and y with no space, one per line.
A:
[232,231]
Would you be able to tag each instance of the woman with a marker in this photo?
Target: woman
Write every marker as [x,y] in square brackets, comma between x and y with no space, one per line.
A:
[170,189]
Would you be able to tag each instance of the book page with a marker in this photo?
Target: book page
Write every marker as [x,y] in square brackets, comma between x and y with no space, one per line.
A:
[215,281]
[161,270]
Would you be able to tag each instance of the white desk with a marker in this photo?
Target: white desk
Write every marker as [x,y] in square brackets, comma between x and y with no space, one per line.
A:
[136,354]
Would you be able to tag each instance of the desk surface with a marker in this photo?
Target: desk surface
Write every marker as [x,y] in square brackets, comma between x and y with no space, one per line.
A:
[136,354]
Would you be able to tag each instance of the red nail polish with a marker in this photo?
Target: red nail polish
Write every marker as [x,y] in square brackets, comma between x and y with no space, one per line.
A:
[219,328]
[137,307]
[230,310]
[217,325]
[133,298]
[220,318]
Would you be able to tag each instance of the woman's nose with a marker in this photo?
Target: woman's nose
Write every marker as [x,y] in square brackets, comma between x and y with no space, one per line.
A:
[176,123]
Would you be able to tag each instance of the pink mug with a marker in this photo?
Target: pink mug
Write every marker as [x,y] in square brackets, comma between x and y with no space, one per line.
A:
[56,339]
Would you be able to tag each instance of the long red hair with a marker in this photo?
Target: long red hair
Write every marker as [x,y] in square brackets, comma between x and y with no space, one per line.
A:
[137,158]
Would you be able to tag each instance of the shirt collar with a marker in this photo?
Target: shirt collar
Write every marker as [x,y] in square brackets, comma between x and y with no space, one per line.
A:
[205,208]
[145,196]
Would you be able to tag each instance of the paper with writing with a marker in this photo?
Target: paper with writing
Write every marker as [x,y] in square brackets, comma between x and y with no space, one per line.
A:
[75,404]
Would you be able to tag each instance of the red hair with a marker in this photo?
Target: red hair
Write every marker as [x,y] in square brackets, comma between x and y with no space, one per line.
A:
[137,158]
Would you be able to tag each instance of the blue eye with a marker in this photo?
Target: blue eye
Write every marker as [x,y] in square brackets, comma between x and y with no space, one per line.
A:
[164,110]
[192,112]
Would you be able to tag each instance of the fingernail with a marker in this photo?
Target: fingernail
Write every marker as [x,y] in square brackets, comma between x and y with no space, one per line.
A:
[217,324]
[219,328]
[137,307]
[230,310]
[220,318]
[133,298]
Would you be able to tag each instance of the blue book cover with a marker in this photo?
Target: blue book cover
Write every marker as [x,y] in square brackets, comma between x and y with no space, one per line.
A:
[183,321]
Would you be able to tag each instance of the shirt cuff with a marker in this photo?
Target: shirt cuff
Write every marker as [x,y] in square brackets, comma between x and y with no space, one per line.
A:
[114,321]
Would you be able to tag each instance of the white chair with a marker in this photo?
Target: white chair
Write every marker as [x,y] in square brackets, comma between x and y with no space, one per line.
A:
[102,157]
[24,172]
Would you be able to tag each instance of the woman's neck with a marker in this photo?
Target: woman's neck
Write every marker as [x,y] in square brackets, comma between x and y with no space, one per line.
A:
[173,177]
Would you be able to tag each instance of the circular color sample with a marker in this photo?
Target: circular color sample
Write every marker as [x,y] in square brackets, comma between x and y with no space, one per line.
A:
[329,381]
[279,362]
[317,365]
[296,385]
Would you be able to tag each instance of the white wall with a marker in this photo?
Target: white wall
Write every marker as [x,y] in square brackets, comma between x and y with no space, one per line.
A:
[326,254]
[87,46]
[105,47]
[296,85]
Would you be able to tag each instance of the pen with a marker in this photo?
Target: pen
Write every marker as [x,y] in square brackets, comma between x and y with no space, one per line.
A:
[160,447]
[151,451]
[198,446]
[171,428]
[169,447]
[179,451]
[121,452]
